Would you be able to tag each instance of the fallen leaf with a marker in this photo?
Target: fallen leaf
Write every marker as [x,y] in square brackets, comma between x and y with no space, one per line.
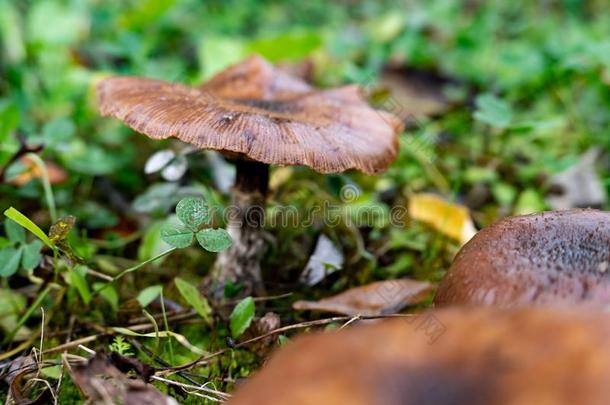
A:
[578,186]
[413,94]
[261,326]
[61,228]
[223,173]
[450,219]
[56,174]
[175,169]
[18,376]
[382,297]
[100,379]
[158,160]
[280,176]
[326,259]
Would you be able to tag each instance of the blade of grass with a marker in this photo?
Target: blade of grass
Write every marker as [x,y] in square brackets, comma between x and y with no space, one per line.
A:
[132,269]
[46,184]
[171,347]
[25,222]
[28,313]
[163,334]
[154,322]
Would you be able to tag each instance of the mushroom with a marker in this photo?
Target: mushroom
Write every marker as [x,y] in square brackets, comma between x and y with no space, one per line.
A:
[550,258]
[257,115]
[449,356]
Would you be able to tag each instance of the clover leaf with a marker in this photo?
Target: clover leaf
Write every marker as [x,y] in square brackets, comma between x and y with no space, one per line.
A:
[193,213]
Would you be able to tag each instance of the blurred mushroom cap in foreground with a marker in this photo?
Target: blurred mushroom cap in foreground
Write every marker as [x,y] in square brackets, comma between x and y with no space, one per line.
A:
[451,356]
[550,258]
[262,113]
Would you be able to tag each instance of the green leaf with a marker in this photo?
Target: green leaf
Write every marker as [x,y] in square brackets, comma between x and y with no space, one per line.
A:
[61,228]
[9,261]
[9,120]
[152,244]
[54,372]
[193,212]
[191,294]
[78,280]
[529,201]
[242,316]
[214,240]
[149,294]
[109,294]
[31,255]
[293,45]
[25,222]
[58,131]
[4,242]
[14,232]
[282,340]
[176,236]
[157,198]
[216,53]
[493,111]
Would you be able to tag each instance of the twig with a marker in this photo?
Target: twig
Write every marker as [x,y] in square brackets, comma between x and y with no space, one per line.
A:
[222,395]
[132,269]
[86,349]
[354,319]
[260,299]
[99,274]
[62,366]
[171,315]
[108,331]
[74,343]
[204,359]
[139,346]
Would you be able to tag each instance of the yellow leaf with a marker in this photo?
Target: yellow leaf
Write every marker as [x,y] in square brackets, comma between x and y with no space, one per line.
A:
[452,220]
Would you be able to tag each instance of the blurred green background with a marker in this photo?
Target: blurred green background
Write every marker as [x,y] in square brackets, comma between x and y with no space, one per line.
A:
[501,98]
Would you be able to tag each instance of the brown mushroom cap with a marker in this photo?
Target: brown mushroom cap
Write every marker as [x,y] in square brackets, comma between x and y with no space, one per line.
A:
[451,356]
[255,79]
[265,115]
[548,258]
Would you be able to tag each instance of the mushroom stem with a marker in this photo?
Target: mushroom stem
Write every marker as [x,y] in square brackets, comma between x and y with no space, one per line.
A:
[241,262]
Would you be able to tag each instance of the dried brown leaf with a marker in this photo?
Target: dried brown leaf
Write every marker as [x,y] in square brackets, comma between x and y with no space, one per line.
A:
[382,297]
[56,174]
[102,382]
[413,94]
[21,386]
[61,228]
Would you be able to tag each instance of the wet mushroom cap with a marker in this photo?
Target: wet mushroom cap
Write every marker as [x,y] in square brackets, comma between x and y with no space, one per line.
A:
[548,258]
[329,130]
[451,356]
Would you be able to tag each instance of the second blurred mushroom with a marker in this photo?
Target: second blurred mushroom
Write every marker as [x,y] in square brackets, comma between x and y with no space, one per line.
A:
[549,258]
[450,356]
